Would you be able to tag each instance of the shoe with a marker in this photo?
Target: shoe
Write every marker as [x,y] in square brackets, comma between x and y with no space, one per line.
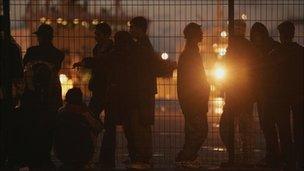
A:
[139,166]
[190,164]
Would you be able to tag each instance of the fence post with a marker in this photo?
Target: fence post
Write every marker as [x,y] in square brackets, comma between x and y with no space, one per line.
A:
[231,157]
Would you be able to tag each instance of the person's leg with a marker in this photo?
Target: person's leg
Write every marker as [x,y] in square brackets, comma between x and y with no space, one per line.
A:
[142,137]
[227,124]
[298,122]
[196,130]
[268,125]
[130,140]
[246,131]
[108,144]
[284,127]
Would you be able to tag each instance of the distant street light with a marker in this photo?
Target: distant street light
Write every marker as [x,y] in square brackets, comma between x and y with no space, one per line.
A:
[244,17]
[164,56]
[224,34]
[76,21]
[59,20]
[42,19]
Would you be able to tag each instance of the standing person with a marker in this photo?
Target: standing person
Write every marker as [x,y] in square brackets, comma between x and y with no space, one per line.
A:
[13,63]
[260,38]
[42,96]
[98,85]
[288,65]
[239,90]
[46,53]
[193,94]
[150,66]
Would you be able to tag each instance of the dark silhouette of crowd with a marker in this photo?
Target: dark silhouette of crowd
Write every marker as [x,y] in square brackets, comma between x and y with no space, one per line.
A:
[123,85]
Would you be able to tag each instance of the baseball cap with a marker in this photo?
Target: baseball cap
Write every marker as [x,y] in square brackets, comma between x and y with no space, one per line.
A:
[44,29]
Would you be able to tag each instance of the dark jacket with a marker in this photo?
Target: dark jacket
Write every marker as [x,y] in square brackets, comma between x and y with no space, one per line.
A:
[122,94]
[287,72]
[241,63]
[192,86]
[98,81]
[264,63]
[54,57]
[75,134]
[149,67]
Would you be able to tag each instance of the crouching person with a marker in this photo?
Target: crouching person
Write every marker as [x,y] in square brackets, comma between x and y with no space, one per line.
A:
[76,133]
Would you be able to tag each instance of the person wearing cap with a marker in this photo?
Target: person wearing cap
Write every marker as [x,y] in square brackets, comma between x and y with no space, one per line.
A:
[98,85]
[48,58]
[288,80]
[240,91]
[150,66]
[268,117]
[193,95]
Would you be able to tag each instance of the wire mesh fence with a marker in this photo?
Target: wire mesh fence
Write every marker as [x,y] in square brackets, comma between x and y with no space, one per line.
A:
[74,22]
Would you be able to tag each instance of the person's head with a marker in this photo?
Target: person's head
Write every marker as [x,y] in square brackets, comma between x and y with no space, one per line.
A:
[193,33]
[287,31]
[138,26]
[123,39]
[103,32]
[239,28]
[74,96]
[45,34]
[258,33]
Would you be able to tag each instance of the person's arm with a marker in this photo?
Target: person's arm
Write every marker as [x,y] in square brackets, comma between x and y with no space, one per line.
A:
[27,57]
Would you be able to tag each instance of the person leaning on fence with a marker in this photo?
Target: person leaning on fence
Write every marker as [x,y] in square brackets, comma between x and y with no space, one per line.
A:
[193,95]
[150,66]
[268,117]
[240,92]
[76,132]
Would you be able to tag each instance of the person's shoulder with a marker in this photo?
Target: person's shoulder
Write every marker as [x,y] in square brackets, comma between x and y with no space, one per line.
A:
[32,49]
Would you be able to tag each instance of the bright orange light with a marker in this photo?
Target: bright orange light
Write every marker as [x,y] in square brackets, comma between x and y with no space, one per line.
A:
[219,73]
[66,84]
[222,51]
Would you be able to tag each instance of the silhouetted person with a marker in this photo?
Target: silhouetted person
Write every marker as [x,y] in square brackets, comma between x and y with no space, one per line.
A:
[43,91]
[150,66]
[98,85]
[33,134]
[122,92]
[239,90]
[11,67]
[76,132]
[288,80]
[46,53]
[268,114]
[193,95]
